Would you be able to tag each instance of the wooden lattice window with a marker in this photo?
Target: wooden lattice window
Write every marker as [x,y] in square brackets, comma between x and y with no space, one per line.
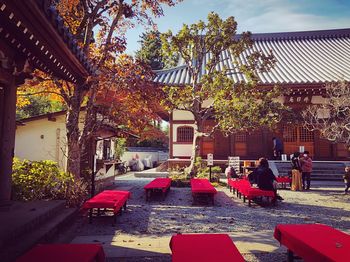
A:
[290,134]
[185,134]
[306,135]
[240,137]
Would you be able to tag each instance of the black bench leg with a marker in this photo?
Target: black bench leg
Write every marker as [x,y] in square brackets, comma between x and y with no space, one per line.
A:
[90,215]
[243,199]
[290,256]
[124,206]
[249,202]
[114,219]
[148,195]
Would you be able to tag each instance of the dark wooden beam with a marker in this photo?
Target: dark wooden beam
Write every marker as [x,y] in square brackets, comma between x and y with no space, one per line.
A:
[7,138]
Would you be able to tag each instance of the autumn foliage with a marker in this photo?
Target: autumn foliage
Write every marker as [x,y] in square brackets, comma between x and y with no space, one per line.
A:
[121,87]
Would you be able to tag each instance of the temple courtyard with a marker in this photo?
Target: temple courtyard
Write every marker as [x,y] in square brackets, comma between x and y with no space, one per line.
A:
[143,231]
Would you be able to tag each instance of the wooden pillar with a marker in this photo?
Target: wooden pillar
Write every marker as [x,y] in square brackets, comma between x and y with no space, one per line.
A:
[7,138]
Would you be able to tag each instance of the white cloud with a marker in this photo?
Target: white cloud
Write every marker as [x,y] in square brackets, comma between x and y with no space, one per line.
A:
[278,16]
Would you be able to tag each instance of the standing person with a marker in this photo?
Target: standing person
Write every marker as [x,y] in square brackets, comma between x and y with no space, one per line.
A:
[277,148]
[295,161]
[347,179]
[306,169]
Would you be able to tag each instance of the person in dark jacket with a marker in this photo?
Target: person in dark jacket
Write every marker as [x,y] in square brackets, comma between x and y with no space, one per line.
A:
[277,148]
[264,178]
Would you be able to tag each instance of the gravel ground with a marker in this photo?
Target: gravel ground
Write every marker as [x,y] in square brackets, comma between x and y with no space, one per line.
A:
[177,214]
[259,257]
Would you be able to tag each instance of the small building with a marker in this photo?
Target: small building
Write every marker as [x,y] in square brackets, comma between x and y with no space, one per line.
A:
[43,137]
[306,61]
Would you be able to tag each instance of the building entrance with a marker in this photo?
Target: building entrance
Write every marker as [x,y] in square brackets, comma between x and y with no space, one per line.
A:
[296,136]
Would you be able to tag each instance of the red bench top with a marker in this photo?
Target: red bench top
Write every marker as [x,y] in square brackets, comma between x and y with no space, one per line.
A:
[160,182]
[283,179]
[252,192]
[202,185]
[108,199]
[204,248]
[64,252]
[314,242]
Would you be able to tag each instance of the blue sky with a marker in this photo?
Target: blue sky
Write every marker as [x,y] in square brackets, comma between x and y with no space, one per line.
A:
[259,16]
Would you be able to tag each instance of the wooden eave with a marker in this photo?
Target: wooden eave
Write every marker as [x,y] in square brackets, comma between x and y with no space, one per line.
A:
[27,28]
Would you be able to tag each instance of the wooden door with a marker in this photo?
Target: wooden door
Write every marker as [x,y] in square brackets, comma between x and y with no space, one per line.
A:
[295,136]
[221,146]
[342,150]
[255,145]
[323,149]
[239,144]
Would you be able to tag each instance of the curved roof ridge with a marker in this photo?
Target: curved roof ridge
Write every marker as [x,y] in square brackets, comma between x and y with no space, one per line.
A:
[301,34]
[169,69]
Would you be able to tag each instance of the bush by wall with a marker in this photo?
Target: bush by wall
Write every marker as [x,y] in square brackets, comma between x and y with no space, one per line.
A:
[35,180]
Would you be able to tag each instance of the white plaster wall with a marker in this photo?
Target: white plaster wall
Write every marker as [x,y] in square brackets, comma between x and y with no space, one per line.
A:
[175,126]
[207,103]
[156,156]
[182,115]
[280,99]
[182,150]
[323,113]
[30,144]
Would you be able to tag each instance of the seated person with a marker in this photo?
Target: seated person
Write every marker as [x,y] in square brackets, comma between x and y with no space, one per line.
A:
[252,177]
[264,177]
[230,172]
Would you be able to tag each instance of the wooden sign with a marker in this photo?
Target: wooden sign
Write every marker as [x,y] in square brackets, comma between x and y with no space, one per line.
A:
[210,160]
[298,99]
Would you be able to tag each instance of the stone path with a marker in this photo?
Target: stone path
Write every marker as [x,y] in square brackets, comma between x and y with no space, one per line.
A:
[143,232]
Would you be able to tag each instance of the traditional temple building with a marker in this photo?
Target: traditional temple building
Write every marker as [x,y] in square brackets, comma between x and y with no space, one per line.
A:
[306,61]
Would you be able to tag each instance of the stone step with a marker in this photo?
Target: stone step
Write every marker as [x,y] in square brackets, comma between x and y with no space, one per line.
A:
[153,174]
[322,171]
[44,233]
[23,217]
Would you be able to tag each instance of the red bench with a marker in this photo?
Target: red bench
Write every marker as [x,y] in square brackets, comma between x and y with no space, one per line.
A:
[284,180]
[201,187]
[64,252]
[314,242]
[158,184]
[243,188]
[204,248]
[108,199]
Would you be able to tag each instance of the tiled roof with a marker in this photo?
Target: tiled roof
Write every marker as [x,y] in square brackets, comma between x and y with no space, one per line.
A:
[302,58]
[57,21]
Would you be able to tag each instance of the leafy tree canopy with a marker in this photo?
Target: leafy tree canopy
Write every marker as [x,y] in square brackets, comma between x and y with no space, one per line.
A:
[212,93]
[151,51]
[99,27]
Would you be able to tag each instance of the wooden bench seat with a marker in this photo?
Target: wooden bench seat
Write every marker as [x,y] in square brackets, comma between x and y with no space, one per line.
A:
[201,187]
[108,199]
[159,184]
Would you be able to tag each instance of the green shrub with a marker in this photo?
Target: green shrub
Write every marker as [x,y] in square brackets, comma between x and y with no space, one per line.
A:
[35,180]
[119,147]
[177,173]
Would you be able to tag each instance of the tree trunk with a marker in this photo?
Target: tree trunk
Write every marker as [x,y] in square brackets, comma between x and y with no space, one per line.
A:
[87,138]
[196,145]
[73,134]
